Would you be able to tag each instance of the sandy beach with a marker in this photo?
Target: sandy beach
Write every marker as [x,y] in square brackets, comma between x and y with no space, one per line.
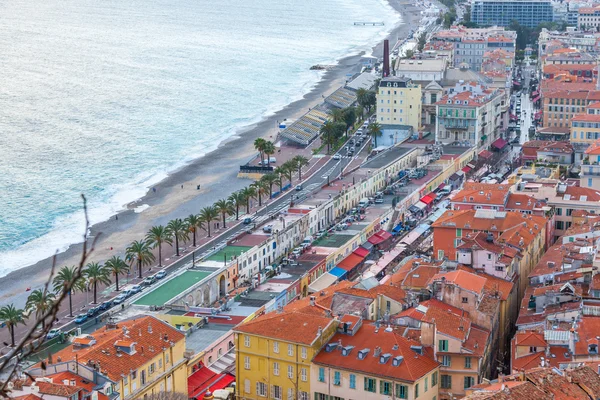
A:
[216,172]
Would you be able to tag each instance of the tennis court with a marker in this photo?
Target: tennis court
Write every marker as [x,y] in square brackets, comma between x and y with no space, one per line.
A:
[228,251]
[172,288]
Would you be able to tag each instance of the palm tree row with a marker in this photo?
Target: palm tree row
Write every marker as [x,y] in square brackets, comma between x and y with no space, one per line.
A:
[265,149]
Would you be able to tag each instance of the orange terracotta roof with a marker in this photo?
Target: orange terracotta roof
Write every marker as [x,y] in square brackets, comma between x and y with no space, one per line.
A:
[54,389]
[576,192]
[79,382]
[392,292]
[584,117]
[448,323]
[412,367]
[27,397]
[477,340]
[594,148]
[465,219]
[462,279]
[494,197]
[418,277]
[519,201]
[149,332]
[530,338]
[493,284]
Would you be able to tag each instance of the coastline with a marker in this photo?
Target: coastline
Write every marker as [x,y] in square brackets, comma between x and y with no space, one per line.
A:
[220,165]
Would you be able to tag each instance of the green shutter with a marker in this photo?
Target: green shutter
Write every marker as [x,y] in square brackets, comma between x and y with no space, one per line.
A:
[381,387]
[366,387]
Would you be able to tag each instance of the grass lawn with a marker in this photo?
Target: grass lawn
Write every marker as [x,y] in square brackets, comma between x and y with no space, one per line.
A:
[166,292]
[230,251]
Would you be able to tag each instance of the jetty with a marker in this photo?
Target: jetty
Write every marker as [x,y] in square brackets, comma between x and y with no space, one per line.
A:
[369,23]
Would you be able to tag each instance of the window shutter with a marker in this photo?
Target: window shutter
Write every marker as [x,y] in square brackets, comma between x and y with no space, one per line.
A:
[257,388]
[365,383]
[272,391]
[380,386]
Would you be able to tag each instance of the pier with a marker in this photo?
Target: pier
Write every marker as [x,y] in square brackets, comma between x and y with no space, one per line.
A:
[369,23]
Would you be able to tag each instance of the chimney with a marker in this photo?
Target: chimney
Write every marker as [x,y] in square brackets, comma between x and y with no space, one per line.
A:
[312,300]
[377,351]
[149,328]
[386,58]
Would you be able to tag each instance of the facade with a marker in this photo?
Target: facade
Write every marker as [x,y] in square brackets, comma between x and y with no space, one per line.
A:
[585,130]
[529,13]
[471,115]
[588,18]
[590,168]
[422,71]
[399,103]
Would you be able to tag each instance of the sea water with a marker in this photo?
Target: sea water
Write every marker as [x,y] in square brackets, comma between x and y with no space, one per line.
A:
[106,97]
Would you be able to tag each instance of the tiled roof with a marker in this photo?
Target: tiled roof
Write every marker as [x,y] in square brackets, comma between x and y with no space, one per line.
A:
[418,277]
[530,338]
[491,197]
[412,367]
[477,340]
[55,389]
[576,193]
[448,323]
[148,332]
[462,279]
[27,397]
[518,390]
[79,382]
[584,117]
[393,292]
[588,331]
[594,148]
[588,377]
[519,201]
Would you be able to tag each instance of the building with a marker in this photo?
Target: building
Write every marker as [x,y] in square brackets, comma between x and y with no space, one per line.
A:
[529,13]
[585,130]
[551,152]
[588,19]
[590,168]
[472,115]
[141,356]
[422,71]
[398,104]
[367,361]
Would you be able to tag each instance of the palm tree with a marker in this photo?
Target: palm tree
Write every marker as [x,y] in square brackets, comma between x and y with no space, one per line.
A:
[225,208]
[116,266]
[248,192]
[260,188]
[156,236]
[40,301]
[362,97]
[236,199]
[95,274]
[279,174]
[269,149]
[259,145]
[180,231]
[12,317]
[288,169]
[375,131]
[193,222]
[299,162]
[65,281]
[269,180]
[337,115]
[349,118]
[140,252]
[207,215]
[328,132]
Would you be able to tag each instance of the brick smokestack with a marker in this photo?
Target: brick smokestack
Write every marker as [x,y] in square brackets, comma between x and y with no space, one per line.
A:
[386,58]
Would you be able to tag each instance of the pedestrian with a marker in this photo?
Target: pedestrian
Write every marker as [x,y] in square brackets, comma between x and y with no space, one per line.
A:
[182,186]
[198,187]
[154,189]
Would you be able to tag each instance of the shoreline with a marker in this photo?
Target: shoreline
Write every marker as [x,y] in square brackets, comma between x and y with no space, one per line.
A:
[176,195]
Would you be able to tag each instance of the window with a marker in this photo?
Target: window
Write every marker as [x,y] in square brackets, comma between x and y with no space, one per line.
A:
[261,389]
[385,387]
[468,362]
[465,299]
[159,363]
[370,385]
[151,368]
[247,385]
[321,396]
[559,225]
[569,212]
[469,381]
[246,340]
[303,374]
[352,381]
[246,362]
[401,391]
[416,390]
[290,371]
[290,350]
[426,385]
[558,211]
[337,378]
[303,396]
[458,232]
[434,379]
[125,380]
[275,347]
[321,374]
[303,352]
[276,368]
[443,345]
[276,392]
[143,377]
[446,361]
[499,268]
[290,395]
[446,381]
[440,254]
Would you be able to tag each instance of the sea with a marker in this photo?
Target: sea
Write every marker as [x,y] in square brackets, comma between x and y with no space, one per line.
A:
[107,97]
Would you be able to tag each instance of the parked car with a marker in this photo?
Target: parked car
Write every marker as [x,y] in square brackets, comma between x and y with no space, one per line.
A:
[135,289]
[53,333]
[337,157]
[160,274]
[268,228]
[105,306]
[298,188]
[81,318]
[92,312]
[149,280]
[379,200]
[120,298]
[247,220]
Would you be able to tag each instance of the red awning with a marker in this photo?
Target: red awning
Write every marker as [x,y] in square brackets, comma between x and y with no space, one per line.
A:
[426,199]
[536,98]
[205,378]
[535,93]
[516,83]
[385,235]
[466,169]
[500,143]
[350,262]
[433,195]
[485,154]
[361,252]
[442,185]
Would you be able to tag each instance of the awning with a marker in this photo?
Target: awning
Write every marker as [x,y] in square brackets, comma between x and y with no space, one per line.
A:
[420,205]
[340,273]
[516,83]
[442,185]
[350,262]
[466,169]
[205,379]
[427,199]
[410,238]
[361,251]
[383,262]
[471,165]
[485,154]
[414,209]
[536,98]
[500,144]
[380,237]
[322,282]
[397,228]
[367,246]
[385,235]
[534,93]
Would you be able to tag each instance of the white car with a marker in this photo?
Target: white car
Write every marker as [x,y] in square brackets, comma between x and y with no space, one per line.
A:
[337,157]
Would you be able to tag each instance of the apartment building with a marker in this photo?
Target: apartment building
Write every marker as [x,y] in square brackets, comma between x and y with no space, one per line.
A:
[398,103]
[562,102]
[471,114]
[588,19]
[585,130]
[590,168]
[367,361]
[142,356]
[529,13]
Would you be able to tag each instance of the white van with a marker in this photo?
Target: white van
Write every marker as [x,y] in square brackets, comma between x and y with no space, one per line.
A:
[272,160]
[363,202]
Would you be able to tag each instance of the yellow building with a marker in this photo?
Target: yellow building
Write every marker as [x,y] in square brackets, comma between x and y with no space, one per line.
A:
[274,352]
[585,130]
[399,102]
[143,356]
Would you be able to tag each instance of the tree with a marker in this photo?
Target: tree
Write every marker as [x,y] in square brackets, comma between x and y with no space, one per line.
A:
[96,273]
[116,266]
[40,301]
[259,145]
[248,193]
[225,208]
[328,132]
[156,236]
[269,180]
[288,168]
[269,149]
[65,281]
[422,41]
[409,54]
[299,162]
[180,231]
[349,118]
[193,222]
[375,131]
[207,215]
[236,199]
[372,98]
[12,317]
[362,97]
[140,253]
[337,115]
[261,188]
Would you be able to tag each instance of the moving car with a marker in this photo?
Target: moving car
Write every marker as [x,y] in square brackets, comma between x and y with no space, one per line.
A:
[120,298]
[247,220]
[53,333]
[337,157]
[105,306]
[135,289]
[161,274]
[92,312]
[298,188]
[81,318]
[149,280]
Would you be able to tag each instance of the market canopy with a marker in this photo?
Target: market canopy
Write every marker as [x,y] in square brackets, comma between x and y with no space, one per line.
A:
[485,154]
[536,98]
[336,271]
[322,282]
[466,169]
[361,251]
[427,199]
[350,262]
[380,237]
[500,143]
